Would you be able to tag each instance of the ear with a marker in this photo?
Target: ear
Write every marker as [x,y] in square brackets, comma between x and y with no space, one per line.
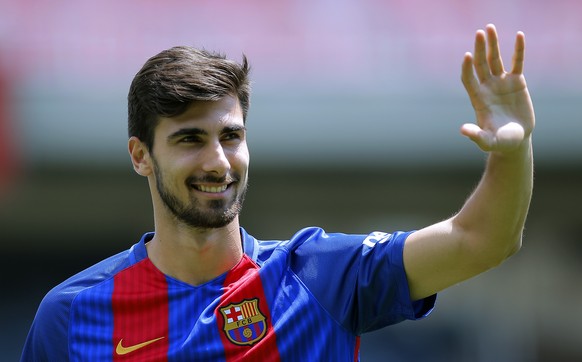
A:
[140,156]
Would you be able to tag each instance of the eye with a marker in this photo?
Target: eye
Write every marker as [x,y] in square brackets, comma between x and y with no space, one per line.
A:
[231,136]
[190,139]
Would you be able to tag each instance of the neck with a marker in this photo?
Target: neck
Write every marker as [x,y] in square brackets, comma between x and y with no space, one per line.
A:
[195,256]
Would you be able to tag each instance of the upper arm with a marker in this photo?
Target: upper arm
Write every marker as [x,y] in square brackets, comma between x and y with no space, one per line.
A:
[442,255]
[365,284]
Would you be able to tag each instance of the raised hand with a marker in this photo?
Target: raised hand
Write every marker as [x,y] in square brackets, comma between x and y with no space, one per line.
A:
[503,108]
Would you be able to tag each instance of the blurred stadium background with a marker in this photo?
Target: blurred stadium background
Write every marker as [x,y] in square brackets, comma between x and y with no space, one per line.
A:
[353,127]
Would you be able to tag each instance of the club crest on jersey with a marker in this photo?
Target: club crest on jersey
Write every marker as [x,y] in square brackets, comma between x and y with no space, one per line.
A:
[244,324]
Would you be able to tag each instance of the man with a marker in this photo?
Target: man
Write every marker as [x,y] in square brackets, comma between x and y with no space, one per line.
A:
[201,288]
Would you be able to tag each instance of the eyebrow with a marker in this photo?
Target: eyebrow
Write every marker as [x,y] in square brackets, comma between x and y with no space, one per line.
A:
[230,129]
[193,131]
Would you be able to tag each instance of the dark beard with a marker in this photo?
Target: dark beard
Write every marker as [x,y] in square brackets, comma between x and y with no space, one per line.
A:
[219,214]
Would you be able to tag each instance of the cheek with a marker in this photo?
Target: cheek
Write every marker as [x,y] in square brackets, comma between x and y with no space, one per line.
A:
[243,156]
[241,164]
[173,174]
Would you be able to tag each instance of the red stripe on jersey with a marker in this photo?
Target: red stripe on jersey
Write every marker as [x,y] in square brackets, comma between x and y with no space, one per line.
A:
[357,350]
[243,284]
[140,314]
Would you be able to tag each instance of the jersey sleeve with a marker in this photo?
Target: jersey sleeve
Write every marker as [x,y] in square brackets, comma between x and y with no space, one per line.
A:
[47,338]
[359,279]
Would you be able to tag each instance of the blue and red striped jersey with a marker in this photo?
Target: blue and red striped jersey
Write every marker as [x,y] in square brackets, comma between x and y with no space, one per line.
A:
[308,298]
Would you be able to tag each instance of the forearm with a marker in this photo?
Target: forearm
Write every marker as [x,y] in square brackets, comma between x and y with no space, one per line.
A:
[492,219]
[489,226]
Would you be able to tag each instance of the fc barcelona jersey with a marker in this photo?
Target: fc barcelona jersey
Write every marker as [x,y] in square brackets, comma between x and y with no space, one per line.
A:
[304,299]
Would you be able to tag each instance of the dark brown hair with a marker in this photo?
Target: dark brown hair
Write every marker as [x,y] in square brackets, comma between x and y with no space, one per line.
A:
[171,80]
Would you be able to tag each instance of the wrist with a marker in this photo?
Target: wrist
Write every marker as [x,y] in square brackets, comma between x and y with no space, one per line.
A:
[524,149]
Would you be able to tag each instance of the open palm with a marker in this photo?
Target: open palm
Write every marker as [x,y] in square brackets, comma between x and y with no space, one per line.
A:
[503,108]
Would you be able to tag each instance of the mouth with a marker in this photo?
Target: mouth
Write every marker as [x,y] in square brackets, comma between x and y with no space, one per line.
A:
[215,189]
[212,186]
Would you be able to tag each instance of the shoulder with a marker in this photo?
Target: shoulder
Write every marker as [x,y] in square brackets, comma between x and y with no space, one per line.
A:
[316,242]
[331,251]
[48,336]
[89,277]
[98,273]
[59,299]
[262,250]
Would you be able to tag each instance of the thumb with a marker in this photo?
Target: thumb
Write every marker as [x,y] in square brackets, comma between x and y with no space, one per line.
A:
[482,138]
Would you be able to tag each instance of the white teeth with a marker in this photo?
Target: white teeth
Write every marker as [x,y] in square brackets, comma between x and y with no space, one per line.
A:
[212,189]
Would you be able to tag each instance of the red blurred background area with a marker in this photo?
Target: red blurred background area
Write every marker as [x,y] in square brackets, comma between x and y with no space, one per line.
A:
[7,146]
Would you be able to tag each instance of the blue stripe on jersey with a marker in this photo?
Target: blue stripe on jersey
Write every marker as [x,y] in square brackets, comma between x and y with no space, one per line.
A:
[307,332]
[91,324]
[193,332]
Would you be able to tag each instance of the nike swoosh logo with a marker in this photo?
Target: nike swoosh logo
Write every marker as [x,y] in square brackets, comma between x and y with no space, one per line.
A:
[121,350]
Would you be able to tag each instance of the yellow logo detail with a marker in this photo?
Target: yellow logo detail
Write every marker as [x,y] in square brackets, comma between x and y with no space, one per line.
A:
[121,350]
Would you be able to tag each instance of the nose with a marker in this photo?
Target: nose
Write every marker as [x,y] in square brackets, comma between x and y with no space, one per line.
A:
[215,160]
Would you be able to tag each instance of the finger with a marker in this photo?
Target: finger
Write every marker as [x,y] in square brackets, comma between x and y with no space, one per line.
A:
[493,54]
[518,54]
[468,77]
[480,58]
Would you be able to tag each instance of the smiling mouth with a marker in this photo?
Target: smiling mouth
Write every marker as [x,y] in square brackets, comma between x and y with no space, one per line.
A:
[211,189]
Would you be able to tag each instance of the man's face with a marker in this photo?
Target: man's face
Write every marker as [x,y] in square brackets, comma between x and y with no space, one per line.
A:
[200,161]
